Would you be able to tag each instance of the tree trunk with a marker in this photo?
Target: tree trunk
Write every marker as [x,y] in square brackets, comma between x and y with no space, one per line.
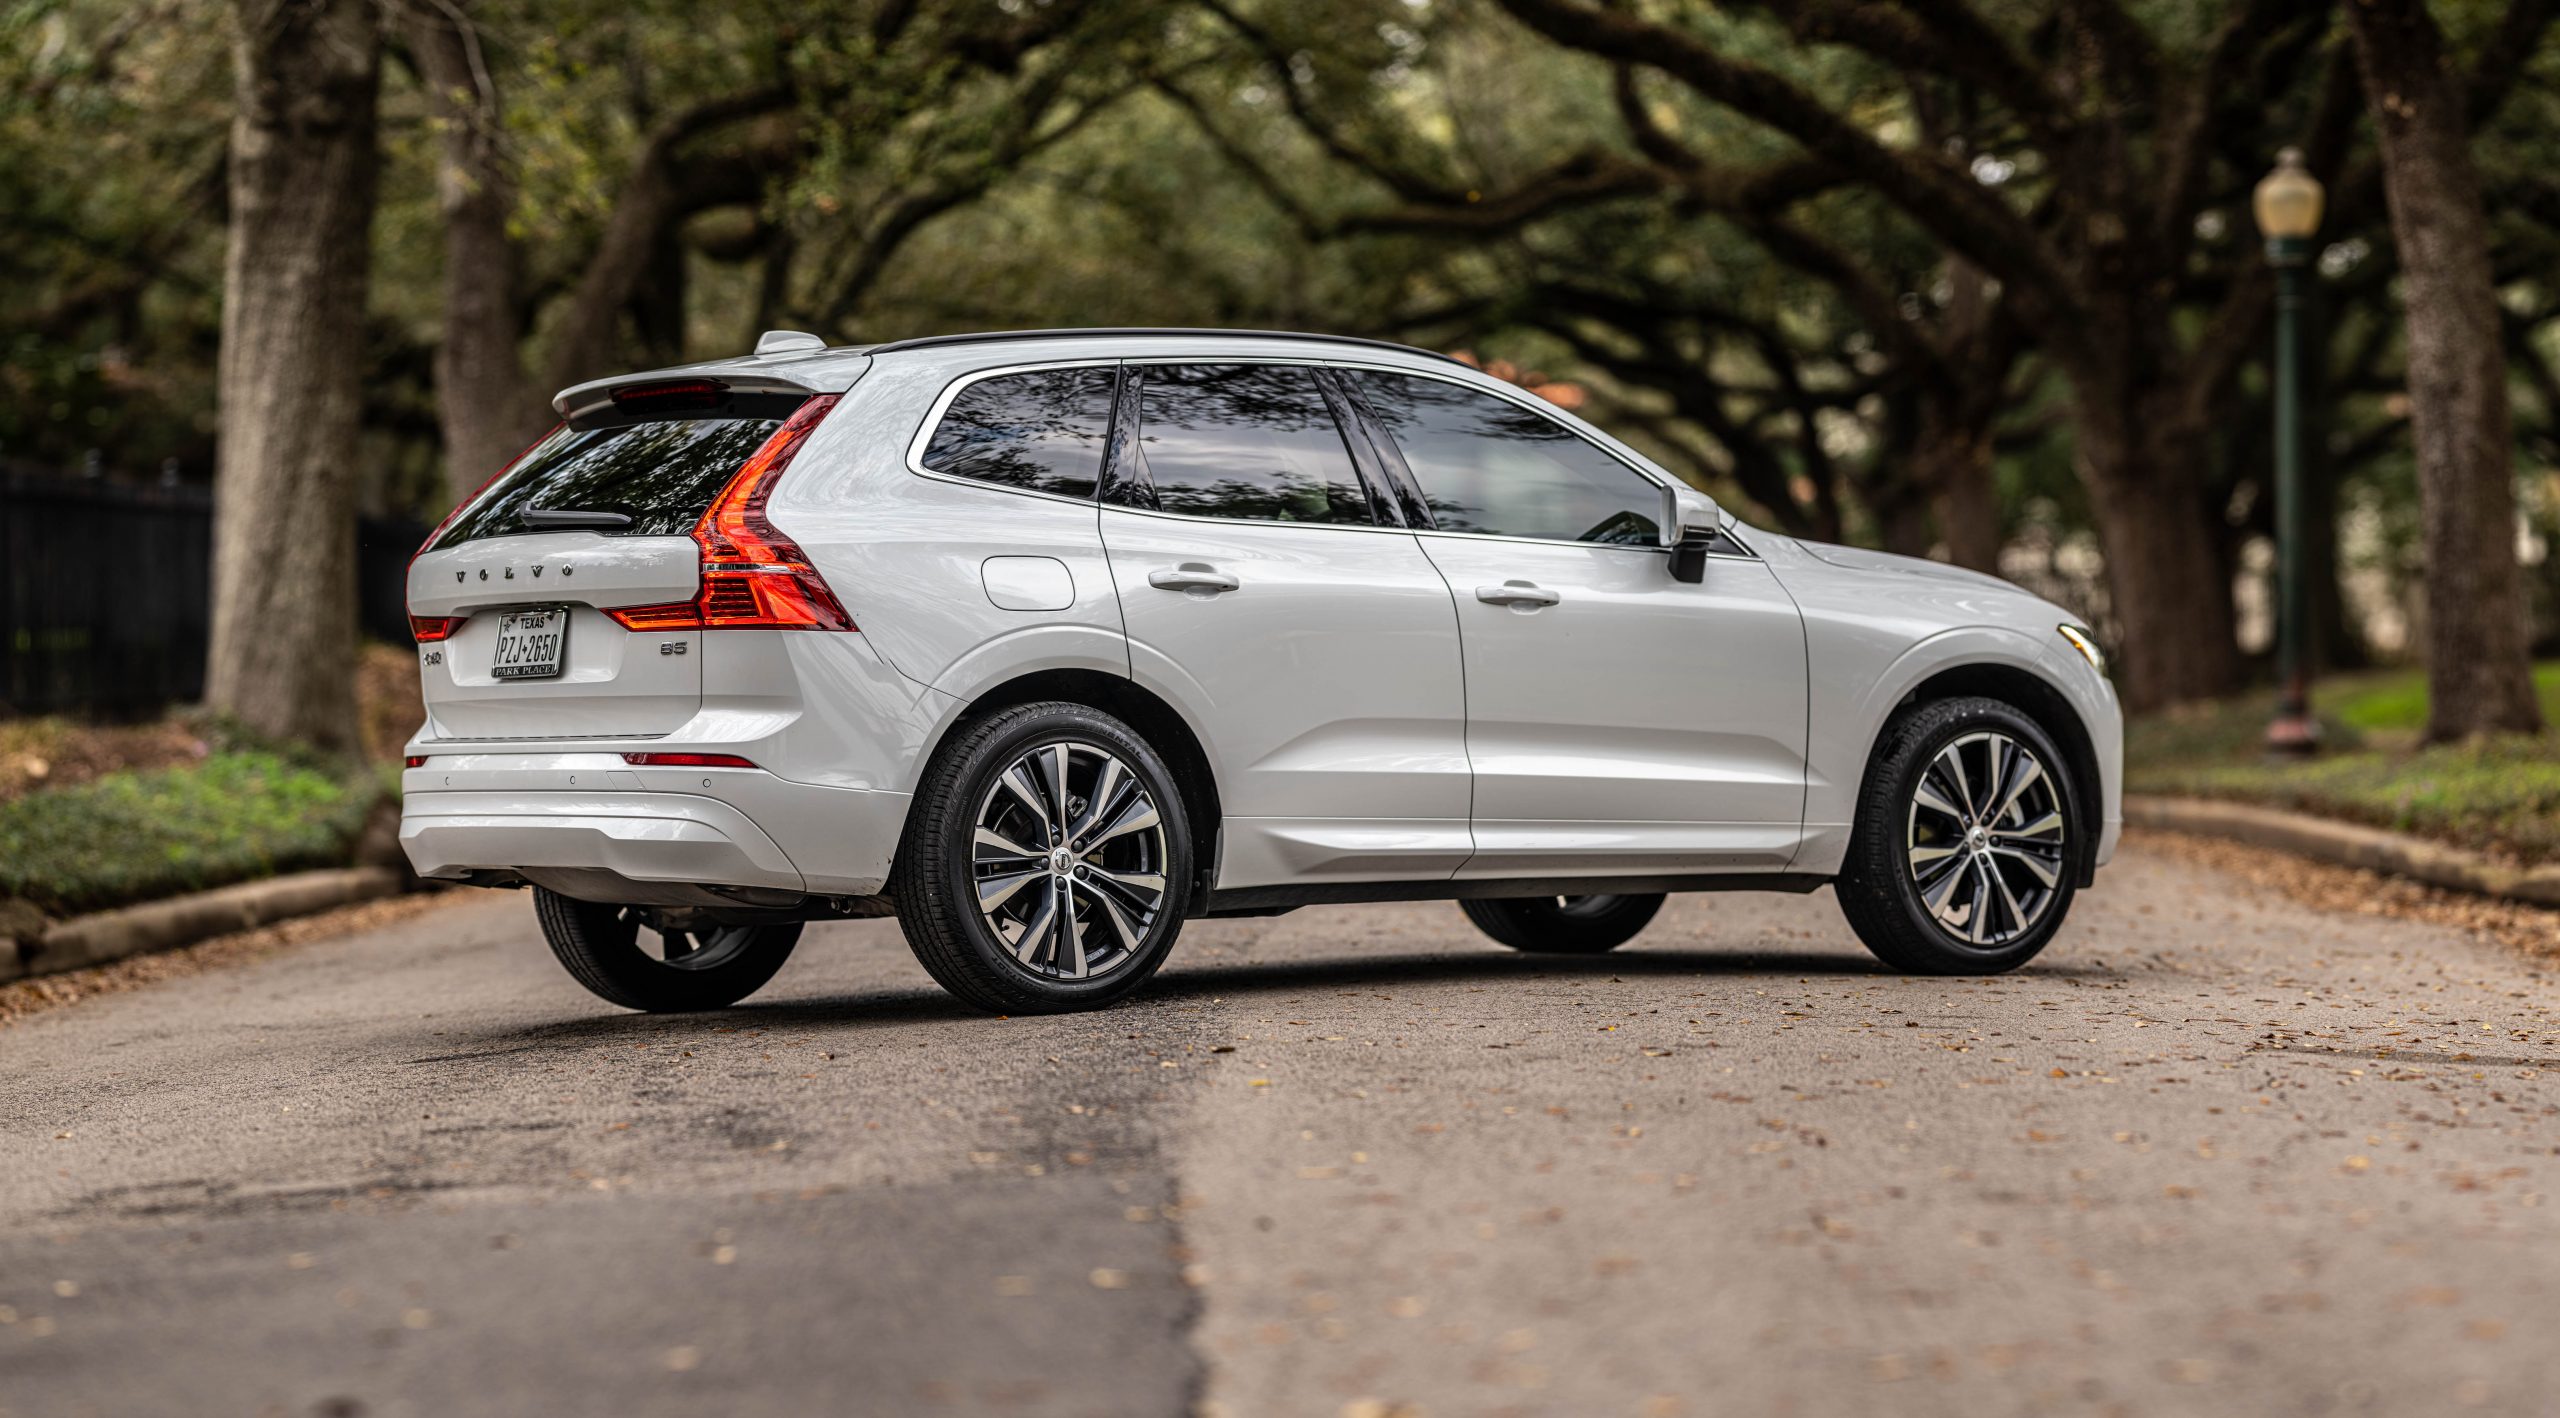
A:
[488,409]
[2479,674]
[1902,522]
[292,367]
[2165,580]
[1959,470]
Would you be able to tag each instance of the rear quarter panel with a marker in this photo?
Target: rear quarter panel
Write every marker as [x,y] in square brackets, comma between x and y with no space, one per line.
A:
[905,552]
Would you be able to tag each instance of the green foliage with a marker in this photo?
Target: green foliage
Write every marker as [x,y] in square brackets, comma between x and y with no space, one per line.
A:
[134,836]
[2499,795]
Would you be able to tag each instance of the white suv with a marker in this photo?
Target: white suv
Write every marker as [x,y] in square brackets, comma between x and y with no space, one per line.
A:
[1046,641]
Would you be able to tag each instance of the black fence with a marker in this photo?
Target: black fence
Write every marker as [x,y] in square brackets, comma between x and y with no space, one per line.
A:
[106,593]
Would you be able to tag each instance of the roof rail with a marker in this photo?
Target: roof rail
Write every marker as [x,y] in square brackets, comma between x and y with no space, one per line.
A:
[929,342]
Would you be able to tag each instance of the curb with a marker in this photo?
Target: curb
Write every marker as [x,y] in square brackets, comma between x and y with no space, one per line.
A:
[83,941]
[2347,844]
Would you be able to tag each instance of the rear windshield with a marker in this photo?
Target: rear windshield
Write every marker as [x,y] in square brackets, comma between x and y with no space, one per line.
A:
[661,475]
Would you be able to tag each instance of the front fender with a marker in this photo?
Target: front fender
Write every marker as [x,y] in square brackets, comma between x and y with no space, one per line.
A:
[1849,714]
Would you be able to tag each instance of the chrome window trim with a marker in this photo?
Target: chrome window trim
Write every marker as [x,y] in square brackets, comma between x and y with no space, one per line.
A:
[942,403]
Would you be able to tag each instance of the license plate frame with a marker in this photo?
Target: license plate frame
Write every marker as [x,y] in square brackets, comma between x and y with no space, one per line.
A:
[520,637]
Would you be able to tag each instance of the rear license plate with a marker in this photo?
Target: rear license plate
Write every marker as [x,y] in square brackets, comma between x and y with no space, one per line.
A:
[530,644]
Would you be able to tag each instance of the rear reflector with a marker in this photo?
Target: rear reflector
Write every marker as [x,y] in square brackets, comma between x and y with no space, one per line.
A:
[686,760]
[416,760]
[753,577]
[429,628]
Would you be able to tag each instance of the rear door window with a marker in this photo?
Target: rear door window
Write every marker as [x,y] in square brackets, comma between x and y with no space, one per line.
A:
[1041,430]
[662,475]
[1250,441]
[1488,465]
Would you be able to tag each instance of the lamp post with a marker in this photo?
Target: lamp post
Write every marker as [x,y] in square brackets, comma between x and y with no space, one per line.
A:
[2288,202]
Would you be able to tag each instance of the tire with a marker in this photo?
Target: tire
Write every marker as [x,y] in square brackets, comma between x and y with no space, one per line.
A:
[600,944]
[1563,925]
[1922,887]
[1019,811]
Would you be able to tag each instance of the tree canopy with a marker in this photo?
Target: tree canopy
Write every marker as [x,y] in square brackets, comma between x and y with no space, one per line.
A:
[1972,278]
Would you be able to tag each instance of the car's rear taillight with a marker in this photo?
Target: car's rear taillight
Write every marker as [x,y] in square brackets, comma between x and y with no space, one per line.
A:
[686,760]
[429,628]
[753,577]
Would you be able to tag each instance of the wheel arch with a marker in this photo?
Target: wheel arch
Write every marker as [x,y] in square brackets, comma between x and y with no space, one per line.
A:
[1155,719]
[2039,699]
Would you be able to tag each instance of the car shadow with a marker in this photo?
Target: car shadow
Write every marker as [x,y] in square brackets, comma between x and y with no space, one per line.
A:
[1193,982]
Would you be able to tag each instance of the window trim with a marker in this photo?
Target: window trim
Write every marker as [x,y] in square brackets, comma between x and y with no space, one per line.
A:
[941,405]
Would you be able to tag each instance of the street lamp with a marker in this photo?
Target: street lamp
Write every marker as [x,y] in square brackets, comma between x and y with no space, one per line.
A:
[2288,202]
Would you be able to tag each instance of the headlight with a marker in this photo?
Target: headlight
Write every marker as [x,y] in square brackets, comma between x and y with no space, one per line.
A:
[2087,644]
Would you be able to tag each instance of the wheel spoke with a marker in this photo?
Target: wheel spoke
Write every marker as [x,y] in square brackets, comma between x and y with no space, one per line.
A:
[1035,931]
[994,891]
[1923,856]
[1053,771]
[1975,924]
[1149,882]
[1939,895]
[1928,796]
[2028,775]
[1954,759]
[1941,870]
[2049,825]
[2008,898]
[1106,793]
[1018,783]
[2043,871]
[1120,923]
[1071,945]
[989,837]
[1139,816]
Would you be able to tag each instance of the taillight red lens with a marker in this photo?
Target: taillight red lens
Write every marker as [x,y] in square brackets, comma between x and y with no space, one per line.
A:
[686,760]
[430,628]
[416,760]
[753,577]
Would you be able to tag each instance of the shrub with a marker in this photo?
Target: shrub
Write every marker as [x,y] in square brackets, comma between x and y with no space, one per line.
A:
[133,836]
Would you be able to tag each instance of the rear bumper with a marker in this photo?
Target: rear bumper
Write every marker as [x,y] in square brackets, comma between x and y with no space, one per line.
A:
[585,822]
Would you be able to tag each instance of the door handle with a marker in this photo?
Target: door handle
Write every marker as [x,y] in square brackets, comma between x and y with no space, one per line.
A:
[1192,576]
[1517,593]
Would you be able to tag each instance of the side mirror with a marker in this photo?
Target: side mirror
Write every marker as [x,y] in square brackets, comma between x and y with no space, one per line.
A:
[1690,521]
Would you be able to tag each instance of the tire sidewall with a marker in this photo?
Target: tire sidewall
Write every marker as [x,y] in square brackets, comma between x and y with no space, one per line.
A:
[976,774]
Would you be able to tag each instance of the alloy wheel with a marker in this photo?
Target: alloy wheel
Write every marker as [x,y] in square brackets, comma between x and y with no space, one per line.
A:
[1986,839]
[702,949]
[1068,858]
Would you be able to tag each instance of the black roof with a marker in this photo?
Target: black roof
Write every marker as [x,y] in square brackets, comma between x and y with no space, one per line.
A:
[928,342]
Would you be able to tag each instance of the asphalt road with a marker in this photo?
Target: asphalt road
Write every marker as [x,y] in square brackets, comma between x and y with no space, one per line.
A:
[2216,1152]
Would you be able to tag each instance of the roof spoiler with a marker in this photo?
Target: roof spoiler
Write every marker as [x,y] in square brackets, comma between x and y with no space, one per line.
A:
[602,401]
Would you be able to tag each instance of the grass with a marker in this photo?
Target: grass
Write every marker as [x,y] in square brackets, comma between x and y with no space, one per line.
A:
[2498,795]
[238,814]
